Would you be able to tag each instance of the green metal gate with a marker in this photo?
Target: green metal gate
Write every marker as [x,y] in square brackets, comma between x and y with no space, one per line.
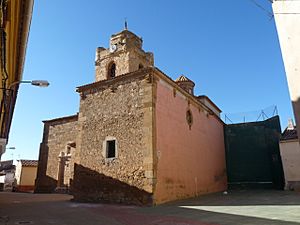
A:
[252,154]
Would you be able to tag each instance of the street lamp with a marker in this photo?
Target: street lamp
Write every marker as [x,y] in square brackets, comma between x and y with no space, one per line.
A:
[7,104]
[12,153]
[3,149]
[39,83]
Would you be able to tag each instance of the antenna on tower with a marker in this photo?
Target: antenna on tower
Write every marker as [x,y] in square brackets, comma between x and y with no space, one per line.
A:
[126,24]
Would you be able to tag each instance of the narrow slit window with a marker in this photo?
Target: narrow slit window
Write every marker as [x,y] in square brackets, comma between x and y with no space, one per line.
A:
[68,150]
[111,149]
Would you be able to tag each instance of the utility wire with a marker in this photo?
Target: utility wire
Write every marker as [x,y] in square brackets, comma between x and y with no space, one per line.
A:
[270,15]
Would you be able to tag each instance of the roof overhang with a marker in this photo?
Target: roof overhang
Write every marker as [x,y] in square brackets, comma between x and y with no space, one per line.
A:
[16,27]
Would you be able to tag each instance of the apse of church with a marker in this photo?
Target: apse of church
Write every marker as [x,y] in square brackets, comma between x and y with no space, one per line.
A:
[139,136]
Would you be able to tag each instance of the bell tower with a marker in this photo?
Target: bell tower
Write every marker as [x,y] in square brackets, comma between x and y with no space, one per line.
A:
[124,55]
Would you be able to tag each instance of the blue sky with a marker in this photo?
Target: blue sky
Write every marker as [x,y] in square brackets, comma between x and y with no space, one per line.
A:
[229,48]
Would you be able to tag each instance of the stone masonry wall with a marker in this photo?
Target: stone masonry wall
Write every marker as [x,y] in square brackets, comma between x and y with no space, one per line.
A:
[138,57]
[57,134]
[118,58]
[126,62]
[120,109]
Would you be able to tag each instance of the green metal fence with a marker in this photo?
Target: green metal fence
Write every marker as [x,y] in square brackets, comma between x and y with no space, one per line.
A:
[252,154]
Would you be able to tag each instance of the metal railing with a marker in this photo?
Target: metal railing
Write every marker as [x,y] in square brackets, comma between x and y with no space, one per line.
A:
[251,116]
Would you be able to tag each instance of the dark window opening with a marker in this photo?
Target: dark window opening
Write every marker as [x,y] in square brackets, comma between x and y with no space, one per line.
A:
[111,149]
[141,66]
[112,70]
[68,150]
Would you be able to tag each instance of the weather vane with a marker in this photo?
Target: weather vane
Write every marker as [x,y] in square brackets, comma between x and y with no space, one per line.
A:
[125,23]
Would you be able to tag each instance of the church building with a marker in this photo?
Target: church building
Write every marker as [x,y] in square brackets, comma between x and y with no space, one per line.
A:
[139,136]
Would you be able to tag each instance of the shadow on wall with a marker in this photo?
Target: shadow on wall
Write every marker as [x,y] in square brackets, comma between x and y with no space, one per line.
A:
[44,183]
[296,108]
[90,186]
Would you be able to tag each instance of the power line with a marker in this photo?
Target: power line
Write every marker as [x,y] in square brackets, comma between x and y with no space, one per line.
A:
[270,15]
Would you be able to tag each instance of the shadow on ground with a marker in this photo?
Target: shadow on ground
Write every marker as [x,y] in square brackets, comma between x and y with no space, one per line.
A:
[239,207]
[264,207]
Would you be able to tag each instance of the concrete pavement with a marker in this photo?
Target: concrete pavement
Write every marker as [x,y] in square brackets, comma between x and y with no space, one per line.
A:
[237,207]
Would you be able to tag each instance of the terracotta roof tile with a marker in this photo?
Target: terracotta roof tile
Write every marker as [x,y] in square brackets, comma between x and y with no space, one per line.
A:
[183,78]
[25,162]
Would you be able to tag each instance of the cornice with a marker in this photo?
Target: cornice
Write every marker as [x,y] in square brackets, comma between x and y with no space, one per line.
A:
[112,81]
[190,97]
[145,72]
[67,118]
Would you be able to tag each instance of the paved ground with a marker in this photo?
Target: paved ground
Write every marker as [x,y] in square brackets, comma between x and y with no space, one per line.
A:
[238,207]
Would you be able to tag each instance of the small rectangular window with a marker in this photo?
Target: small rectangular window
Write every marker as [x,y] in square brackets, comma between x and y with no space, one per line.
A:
[111,149]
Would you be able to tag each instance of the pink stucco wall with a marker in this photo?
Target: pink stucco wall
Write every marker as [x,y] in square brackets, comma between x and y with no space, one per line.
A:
[190,161]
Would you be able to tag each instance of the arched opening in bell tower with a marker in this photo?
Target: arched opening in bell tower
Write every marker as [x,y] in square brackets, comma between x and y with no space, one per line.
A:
[111,70]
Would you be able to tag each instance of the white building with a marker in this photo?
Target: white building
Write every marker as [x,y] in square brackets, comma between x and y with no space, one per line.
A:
[290,155]
[7,175]
[287,18]
[25,175]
